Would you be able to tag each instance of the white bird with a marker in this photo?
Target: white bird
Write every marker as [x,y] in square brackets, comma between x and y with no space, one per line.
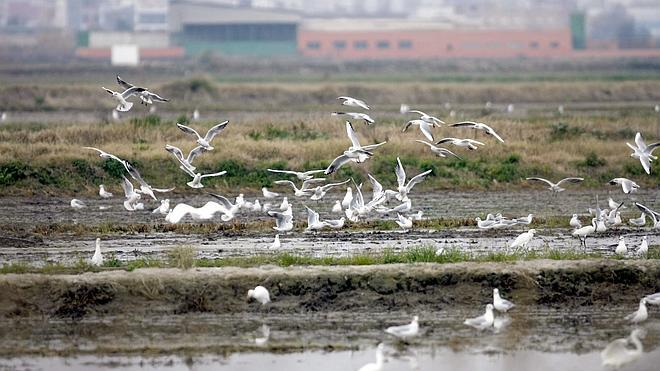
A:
[97,259]
[424,127]
[305,189]
[627,185]
[403,222]
[164,207]
[284,204]
[479,126]
[426,117]
[124,105]
[640,315]
[485,224]
[205,212]
[502,305]
[405,331]
[638,222]
[653,299]
[510,108]
[441,152]
[380,360]
[355,153]
[77,204]
[228,209]
[283,220]
[210,134]
[404,188]
[132,196]
[145,96]
[465,143]
[643,248]
[336,208]
[115,115]
[523,239]
[313,220]
[346,202]
[575,222]
[527,220]
[268,194]
[197,177]
[555,186]
[259,294]
[615,205]
[103,193]
[186,162]
[348,101]
[302,175]
[643,152]
[3,116]
[484,321]
[583,232]
[655,216]
[320,191]
[276,243]
[357,116]
[195,115]
[617,353]
[335,223]
[621,248]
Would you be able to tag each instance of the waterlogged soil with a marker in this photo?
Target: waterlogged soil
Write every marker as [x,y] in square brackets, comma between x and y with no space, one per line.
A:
[327,313]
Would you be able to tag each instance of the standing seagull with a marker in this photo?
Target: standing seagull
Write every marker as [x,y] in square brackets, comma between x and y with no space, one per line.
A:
[502,305]
[478,126]
[575,222]
[348,101]
[621,248]
[103,193]
[627,185]
[124,105]
[404,188]
[643,248]
[97,259]
[426,117]
[424,127]
[357,116]
[640,315]
[643,152]
[554,187]
[268,194]
[405,331]
[206,141]
[77,204]
[441,152]
[484,321]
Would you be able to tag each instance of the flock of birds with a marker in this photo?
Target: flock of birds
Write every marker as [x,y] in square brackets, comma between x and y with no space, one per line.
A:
[356,205]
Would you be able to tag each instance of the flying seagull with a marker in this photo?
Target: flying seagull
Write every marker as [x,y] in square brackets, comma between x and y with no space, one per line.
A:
[643,152]
[442,152]
[554,187]
[348,101]
[124,105]
[206,140]
[302,175]
[356,116]
[145,96]
[186,162]
[424,127]
[627,185]
[427,118]
[467,143]
[478,126]
[356,152]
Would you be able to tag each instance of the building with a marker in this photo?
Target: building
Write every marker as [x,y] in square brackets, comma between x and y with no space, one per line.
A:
[201,27]
[393,39]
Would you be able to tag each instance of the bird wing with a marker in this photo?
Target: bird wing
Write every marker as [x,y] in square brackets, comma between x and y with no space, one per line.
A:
[223,200]
[330,185]
[188,130]
[214,174]
[175,151]
[646,163]
[215,130]
[465,124]
[108,90]
[446,151]
[312,216]
[307,183]
[407,125]
[337,163]
[400,173]
[425,142]
[194,153]
[653,214]
[123,83]
[310,172]
[651,147]
[352,135]
[361,103]
[283,182]
[132,171]
[372,146]
[156,97]
[162,190]
[418,112]
[127,186]
[492,132]
[444,140]
[640,142]
[542,180]
[571,180]
[417,179]
[426,130]
[377,188]
[132,90]
[284,171]
[368,118]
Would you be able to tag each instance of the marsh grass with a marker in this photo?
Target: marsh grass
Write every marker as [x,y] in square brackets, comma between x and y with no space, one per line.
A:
[182,257]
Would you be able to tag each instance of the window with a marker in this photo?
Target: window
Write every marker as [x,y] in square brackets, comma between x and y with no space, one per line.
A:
[383,44]
[405,44]
[360,44]
[313,45]
[554,44]
[534,45]
[339,44]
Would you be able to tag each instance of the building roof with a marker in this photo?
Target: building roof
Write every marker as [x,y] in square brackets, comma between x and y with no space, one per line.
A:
[370,24]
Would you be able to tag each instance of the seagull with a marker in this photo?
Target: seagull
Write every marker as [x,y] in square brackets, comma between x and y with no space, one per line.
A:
[655,216]
[617,353]
[484,321]
[357,116]
[527,220]
[575,222]
[3,116]
[523,239]
[348,101]
[283,220]
[643,248]
[284,205]
[320,191]
[426,117]
[466,143]
[103,193]
[404,223]
[259,294]
[77,204]
[380,360]
[335,223]
[313,220]
[305,190]
[441,152]
[276,243]
[424,127]
[356,152]
[197,177]
[485,224]
[206,141]
[643,152]
[627,185]
[404,207]
[268,194]
[97,259]
[615,205]
[132,196]
[554,187]
[205,212]
[621,248]
[186,162]
[585,231]
[502,305]
[164,207]
[405,331]
[336,208]
[638,222]
[146,96]
[640,315]
[228,209]
[404,108]
[346,202]
[478,126]
[106,155]
[300,175]
[124,105]
[653,299]
[404,188]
